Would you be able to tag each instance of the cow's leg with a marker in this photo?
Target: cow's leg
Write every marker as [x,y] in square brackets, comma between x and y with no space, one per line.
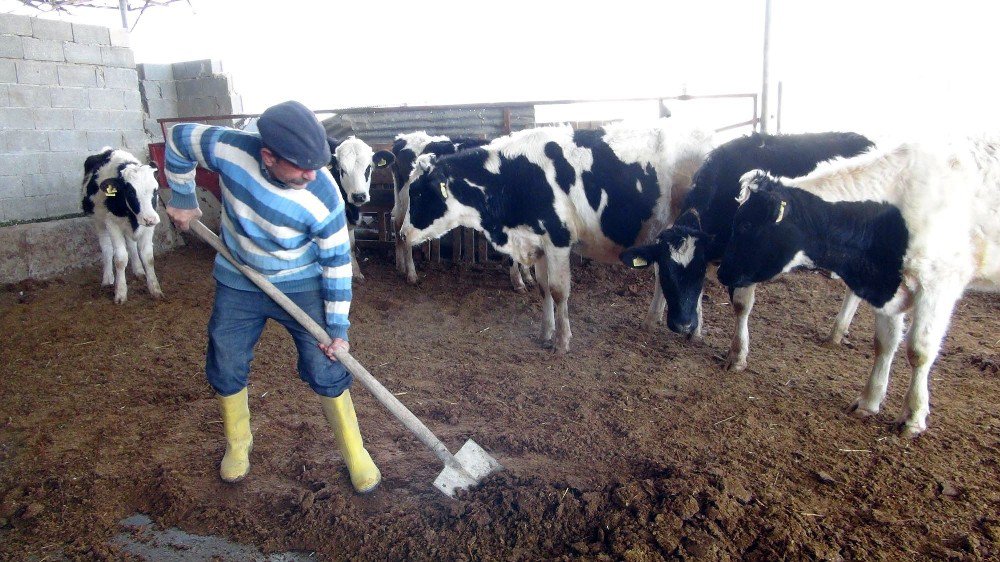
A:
[121,261]
[107,254]
[404,253]
[548,308]
[146,255]
[931,314]
[697,331]
[529,280]
[396,221]
[656,307]
[888,334]
[843,322]
[743,299]
[355,268]
[515,277]
[133,257]
[558,273]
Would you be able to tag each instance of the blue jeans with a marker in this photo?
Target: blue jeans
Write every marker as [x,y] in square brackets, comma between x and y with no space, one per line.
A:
[238,318]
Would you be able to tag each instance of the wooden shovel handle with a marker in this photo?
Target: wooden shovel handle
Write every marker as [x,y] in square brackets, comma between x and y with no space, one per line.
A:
[402,413]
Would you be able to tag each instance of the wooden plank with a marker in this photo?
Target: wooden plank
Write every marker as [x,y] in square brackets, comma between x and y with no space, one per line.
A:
[456,245]
[468,245]
[435,251]
[483,251]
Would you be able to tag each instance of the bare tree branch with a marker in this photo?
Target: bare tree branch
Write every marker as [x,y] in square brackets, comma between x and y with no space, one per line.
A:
[67,5]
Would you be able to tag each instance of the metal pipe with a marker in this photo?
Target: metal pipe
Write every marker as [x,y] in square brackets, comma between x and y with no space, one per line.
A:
[767,64]
[123,8]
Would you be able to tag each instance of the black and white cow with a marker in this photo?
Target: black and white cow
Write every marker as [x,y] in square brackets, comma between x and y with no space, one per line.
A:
[699,235]
[351,162]
[121,194]
[406,148]
[907,229]
[539,192]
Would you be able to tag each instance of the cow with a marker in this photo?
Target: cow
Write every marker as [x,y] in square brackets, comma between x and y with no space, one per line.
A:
[908,229]
[351,162]
[121,194]
[539,192]
[406,148]
[700,234]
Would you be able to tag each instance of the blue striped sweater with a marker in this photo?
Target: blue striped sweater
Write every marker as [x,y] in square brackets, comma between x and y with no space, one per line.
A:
[297,238]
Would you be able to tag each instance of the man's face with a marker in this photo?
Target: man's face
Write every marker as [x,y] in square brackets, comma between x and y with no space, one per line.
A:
[286,172]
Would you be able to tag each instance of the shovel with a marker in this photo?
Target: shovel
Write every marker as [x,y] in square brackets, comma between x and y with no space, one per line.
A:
[462,470]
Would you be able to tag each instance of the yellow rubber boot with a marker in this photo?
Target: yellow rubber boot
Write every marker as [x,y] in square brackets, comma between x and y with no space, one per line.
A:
[339,411]
[239,441]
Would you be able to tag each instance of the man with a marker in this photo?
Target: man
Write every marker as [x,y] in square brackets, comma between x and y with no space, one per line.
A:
[282,215]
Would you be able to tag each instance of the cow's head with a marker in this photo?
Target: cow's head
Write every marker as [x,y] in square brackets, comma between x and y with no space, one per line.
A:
[764,241]
[433,209]
[133,193]
[680,255]
[351,164]
[402,166]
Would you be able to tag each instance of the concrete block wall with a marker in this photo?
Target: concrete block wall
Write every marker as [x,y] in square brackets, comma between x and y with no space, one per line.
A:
[186,89]
[66,91]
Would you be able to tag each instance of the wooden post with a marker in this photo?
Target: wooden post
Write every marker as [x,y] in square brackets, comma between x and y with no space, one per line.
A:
[483,247]
[468,245]
[456,245]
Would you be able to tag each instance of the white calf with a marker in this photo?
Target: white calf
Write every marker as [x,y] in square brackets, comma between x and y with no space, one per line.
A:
[121,194]
[907,229]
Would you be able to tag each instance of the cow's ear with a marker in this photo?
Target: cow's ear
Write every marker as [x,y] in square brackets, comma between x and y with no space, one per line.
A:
[640,257]
[152,165]
[113,186]
[382,158]
[750,182]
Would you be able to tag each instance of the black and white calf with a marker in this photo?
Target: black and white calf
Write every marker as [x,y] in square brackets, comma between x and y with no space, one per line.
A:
[538,193]
[701,232]
[121,194]
[351,163]
[406,148]
[907,229]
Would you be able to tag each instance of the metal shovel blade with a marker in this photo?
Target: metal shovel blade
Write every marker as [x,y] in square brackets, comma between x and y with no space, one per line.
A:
[475,463]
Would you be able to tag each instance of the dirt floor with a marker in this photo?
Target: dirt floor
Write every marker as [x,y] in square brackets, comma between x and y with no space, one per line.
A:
[635,446]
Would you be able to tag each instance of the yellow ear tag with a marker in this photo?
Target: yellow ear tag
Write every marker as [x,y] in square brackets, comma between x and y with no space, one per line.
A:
[444,190]
[109,188]
[781,212]
[380,163]
[639,262]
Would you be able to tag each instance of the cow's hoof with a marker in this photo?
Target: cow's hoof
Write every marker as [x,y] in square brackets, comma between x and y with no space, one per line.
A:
[157,294]
[411,279]
[359,278]
[909,432]
[120,299]
[909,428]
[735,364]
[831,343]
[861,412]
[520,289]
[107,282]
